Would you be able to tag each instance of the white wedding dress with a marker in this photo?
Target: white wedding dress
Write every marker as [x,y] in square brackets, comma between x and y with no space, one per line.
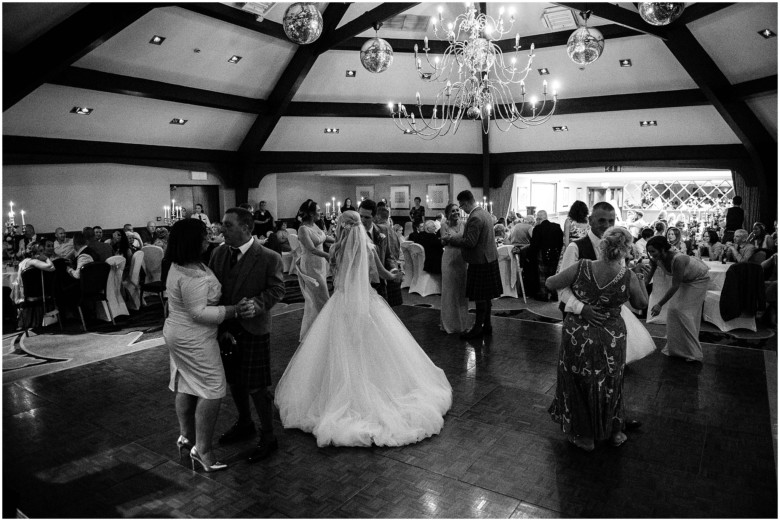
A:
[359,377]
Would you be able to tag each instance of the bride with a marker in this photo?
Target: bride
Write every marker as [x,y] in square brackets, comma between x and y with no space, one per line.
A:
[358,377]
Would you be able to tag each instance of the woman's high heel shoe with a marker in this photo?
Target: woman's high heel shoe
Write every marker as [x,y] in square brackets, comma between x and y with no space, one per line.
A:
[183,444]
[208,468]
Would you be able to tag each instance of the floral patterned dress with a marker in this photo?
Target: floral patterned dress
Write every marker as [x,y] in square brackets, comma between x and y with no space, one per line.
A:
[589,396]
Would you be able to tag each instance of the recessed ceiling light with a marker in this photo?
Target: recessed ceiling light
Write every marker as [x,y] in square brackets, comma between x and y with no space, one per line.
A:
[408,131]
[767,33]
[351,74]
[81,111]
[625,62]
[564,128]
[157,40]
[178,121]
[427,75]
[234,59]
[648,123]
[331,131]
[544,71]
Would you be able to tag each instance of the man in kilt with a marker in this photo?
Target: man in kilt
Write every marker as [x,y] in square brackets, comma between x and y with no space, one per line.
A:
[251,277]
[478,246]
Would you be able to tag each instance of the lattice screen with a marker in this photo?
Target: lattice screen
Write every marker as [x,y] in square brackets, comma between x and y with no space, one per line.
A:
[691,196]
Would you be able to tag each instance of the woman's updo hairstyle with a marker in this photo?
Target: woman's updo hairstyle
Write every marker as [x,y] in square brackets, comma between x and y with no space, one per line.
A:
[660,243]
[307,211]
[615,243]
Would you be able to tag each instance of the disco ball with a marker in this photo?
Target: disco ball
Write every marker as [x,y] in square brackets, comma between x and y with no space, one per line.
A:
[585,45]
[376,55]
[302,23]
[660,13]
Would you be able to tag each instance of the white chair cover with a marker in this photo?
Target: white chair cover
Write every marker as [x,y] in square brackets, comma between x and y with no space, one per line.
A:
[520,276]
[711,314]
[507,265]
[293,255]
[113,290]
[407,229]
[132,287]
[409,271]
[153,256]
[424,283]
[292,231]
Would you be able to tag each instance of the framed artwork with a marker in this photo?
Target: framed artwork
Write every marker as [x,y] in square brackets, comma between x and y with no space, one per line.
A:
[363,192]
[399,197]
[438,196]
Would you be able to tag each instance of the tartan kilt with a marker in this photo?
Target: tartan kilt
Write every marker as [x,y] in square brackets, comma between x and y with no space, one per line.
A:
[483,281]
[394,295]
[248,363]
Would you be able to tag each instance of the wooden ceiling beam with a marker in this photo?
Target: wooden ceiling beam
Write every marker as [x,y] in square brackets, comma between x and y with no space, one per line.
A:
[131,86]
[64,44]
[757,87]
[237,17]
[620,16]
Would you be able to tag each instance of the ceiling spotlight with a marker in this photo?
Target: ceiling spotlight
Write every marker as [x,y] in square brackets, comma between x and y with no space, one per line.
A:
[625,63]
[427,75]
[157,40]
[544,71]
[81,111]
[564,128]
[648,123]
[351,74]
[234,59]
[767,33]
[331,131]
[178,121]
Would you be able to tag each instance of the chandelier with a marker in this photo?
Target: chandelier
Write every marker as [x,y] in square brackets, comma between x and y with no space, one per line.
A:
[481,89]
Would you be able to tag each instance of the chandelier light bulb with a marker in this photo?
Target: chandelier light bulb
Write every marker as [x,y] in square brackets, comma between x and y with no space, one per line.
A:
[501,11]
[534,100]
[488,30]
[390,105]
[450,26]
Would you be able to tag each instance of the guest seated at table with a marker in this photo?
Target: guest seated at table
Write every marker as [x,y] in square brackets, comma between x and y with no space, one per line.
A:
[499,230]
[279,241]
[102,250]
[24,243]
[148,234]
[758,236]
[432,246]
[63,247]
[711,247]
[641,244]
[161,238]
[98,232]
[120,245]
[34,258]
[48,249]
[84,254]
[418,229]
[674,236]
[135,240]
[740,250]
[215,233]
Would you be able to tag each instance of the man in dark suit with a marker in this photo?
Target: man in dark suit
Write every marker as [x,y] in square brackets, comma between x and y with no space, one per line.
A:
[546,244]
[101,249]
[148,234]
[478,245]
[264,221]
[367,211]
[251,277]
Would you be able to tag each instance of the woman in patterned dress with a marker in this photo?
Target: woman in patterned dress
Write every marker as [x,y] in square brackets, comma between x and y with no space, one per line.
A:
[588,402]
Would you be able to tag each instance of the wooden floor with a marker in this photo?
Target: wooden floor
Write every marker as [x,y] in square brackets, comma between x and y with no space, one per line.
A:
[98,441]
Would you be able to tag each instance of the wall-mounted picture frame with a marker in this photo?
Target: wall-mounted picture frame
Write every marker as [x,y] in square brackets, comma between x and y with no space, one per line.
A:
[399,197]
[438,196]
[363,192]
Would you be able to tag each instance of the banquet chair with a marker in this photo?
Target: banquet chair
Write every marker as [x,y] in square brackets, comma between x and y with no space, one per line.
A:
[520,275]
[423,283]
[758,257]
[114,289]
[132,286]
[508,269]
[93,281]
[292,255]
[408,266]
[735,306]
[153,256]
[38,290]
[158,286]
[407,228]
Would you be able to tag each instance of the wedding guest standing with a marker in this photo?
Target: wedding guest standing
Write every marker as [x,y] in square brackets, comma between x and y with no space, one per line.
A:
[483,278]
[576,225]
[454,304]
[735,216]
[417,213]
[190,332]
[588,402]
[264,221]
[198,214]
[546,249]
[348,206]
[313,264]
[683,299]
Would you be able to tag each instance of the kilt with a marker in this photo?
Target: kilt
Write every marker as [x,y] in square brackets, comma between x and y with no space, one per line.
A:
[394,295]
[483,281]
[248,363]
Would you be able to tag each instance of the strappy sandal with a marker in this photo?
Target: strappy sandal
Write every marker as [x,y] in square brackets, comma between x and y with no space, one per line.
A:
[619,439]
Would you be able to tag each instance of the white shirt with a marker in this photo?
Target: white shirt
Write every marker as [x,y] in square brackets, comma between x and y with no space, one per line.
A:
[244,248]
[202,216]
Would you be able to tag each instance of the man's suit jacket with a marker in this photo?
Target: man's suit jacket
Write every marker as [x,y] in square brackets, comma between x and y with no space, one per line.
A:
[146,237]
[548,240]
[103,250]
[478,243]
[257,276]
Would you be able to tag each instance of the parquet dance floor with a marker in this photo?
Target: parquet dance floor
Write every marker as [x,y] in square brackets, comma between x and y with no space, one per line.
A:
[98,441]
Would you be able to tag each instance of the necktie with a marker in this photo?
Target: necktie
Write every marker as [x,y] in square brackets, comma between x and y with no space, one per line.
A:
[234,256]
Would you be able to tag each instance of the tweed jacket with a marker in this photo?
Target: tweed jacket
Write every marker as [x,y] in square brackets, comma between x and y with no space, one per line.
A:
[257,275]
[478,243]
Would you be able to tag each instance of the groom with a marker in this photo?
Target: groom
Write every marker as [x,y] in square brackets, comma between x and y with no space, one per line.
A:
[367,211]
[251,277]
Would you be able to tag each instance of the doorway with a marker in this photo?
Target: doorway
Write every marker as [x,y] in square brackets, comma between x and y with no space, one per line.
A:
[544,197]
[187,196]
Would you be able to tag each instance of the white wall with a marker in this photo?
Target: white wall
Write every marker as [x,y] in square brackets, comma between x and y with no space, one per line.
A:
[108,195]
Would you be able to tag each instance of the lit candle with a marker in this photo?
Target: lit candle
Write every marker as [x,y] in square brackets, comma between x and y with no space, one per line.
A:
[22,212]
[517,40]
[544,85]
[491,206]
[339,207]
[426,43]
[418,98]
[11,218]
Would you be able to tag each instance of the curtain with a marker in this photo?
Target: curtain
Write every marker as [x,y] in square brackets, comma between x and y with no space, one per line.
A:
[502,197]
[750,201]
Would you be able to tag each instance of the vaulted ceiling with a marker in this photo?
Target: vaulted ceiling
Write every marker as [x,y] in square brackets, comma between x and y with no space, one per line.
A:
[709,79]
